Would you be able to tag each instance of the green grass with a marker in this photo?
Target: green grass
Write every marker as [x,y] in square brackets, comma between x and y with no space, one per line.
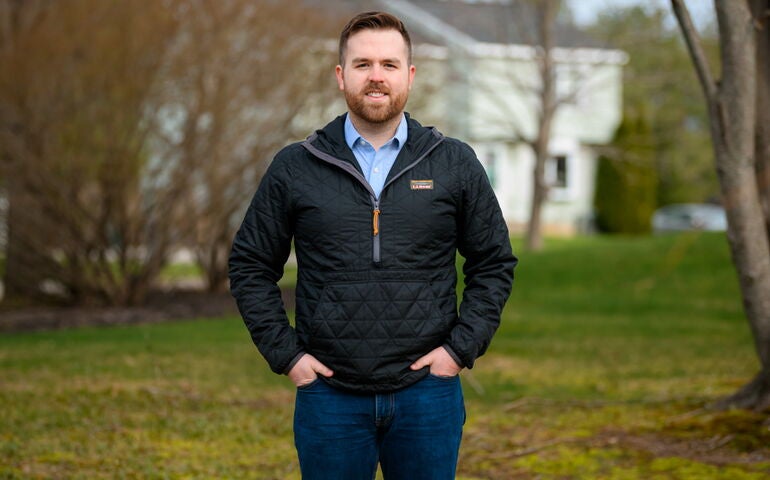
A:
[624,318]
[180,271]
[608,351]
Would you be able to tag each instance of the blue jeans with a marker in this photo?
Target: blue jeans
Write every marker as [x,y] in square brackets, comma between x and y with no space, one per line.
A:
[413,433]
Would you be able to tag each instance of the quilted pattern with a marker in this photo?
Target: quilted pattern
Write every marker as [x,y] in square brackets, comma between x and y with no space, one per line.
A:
[362,327]
[367,321]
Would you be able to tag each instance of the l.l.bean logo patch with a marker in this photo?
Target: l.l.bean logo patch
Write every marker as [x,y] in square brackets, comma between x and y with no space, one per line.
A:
[422,184]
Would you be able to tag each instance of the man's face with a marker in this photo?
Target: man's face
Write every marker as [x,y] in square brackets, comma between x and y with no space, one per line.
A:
[376,76]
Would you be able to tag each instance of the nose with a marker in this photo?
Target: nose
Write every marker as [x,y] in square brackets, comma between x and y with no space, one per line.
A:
[376,74]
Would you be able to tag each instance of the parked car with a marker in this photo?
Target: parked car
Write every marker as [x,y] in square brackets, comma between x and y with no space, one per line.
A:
[689,216]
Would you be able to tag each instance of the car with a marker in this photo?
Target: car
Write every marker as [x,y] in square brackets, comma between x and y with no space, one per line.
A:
[689,216]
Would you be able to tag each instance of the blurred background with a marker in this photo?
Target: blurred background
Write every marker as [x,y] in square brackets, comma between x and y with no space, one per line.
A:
[134,133]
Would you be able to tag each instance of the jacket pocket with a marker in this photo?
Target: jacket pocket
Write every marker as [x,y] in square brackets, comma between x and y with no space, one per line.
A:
[380,320]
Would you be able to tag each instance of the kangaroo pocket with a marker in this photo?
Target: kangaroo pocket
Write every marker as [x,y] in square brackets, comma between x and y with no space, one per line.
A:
[367,329]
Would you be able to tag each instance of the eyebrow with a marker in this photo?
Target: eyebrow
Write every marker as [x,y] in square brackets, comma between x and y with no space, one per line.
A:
[384,60]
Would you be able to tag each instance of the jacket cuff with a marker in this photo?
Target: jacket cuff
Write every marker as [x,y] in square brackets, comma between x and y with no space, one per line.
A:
[292,363]
[454,355]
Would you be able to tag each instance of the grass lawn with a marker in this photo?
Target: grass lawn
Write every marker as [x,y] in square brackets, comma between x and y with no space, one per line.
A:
[609,350]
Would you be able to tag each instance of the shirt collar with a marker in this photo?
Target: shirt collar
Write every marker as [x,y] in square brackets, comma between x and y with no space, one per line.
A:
[352,135]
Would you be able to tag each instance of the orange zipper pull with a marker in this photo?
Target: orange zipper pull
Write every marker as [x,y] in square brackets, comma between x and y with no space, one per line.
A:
[376,221]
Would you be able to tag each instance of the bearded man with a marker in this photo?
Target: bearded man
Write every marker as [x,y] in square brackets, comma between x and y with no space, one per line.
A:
[377,206]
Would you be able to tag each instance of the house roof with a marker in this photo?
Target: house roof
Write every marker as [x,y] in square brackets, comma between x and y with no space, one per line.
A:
[509,22]
[488,21]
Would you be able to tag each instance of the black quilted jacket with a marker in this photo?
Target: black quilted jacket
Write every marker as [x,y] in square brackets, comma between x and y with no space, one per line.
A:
[376,277]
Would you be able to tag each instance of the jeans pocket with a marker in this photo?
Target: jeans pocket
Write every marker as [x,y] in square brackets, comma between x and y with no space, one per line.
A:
[310,385]
[443,378]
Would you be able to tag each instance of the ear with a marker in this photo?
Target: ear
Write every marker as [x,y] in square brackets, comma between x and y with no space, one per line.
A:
[340,77]
[412,70]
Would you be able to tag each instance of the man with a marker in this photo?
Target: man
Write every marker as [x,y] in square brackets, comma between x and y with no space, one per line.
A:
[377,206]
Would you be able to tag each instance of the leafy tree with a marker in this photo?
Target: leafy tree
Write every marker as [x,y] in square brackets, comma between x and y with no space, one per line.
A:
[659,77]
[627,179]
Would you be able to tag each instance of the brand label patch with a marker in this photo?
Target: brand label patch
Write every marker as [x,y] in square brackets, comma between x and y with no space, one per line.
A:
[422,184]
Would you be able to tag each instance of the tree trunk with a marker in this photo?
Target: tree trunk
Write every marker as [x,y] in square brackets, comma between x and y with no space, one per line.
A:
[534,239]
[216,278]
[762,134]
[733,116]
[754,395]
[18,283]
[547,10]
[213,260]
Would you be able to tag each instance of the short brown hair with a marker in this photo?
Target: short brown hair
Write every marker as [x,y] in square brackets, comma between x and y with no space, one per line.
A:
[373,21]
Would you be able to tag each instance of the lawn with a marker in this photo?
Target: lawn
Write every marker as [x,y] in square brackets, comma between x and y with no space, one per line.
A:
[610,350]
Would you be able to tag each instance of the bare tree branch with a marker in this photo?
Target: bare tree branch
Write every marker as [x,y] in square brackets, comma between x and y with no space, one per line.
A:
[692,39]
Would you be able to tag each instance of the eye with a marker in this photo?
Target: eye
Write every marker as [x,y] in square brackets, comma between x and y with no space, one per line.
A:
[361,65]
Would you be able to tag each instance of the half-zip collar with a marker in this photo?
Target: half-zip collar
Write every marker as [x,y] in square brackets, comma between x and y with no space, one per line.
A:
[329,146]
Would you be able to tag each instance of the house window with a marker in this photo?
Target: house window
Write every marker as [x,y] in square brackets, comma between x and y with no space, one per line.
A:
[559,176]
[557,173]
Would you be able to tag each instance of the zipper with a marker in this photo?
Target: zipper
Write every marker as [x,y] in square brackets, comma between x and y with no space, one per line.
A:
[348,167]
[376,231]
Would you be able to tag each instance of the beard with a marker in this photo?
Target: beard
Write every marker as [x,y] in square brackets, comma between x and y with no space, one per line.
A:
[376,113]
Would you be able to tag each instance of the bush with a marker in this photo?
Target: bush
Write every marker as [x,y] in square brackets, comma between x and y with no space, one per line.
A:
[626,180]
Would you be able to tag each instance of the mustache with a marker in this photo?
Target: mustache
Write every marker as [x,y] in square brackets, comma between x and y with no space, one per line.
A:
[375,87]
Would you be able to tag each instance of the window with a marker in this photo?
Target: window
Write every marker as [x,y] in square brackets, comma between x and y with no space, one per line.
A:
[556,174]
[559,177]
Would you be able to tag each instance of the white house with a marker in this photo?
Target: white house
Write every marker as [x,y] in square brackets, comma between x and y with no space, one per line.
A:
[477,79]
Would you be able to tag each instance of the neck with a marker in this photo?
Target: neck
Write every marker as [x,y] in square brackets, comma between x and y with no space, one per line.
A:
[376,133]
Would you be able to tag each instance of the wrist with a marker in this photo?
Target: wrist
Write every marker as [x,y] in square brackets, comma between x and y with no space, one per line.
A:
[454,355]
[293,362]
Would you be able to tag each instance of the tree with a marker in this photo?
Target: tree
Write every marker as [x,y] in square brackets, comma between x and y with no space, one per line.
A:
[237,80]
[762,134]
[76,91]
[546,104]
[738,123]
[549,82]
[130,130]
[546,16]
[539,92]
[626,178]
[659,75]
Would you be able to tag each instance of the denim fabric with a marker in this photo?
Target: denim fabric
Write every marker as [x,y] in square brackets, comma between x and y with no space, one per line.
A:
[414,433]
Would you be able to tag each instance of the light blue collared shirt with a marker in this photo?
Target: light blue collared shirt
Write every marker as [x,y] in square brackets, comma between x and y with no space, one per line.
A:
[375,163]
